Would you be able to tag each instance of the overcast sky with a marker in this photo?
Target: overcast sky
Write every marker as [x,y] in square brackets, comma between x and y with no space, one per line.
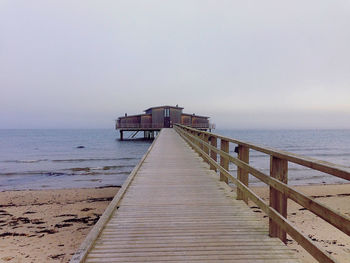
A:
[246,64]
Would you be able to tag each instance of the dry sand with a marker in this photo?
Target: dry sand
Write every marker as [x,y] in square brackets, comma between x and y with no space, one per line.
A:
[49,225]
[325,235]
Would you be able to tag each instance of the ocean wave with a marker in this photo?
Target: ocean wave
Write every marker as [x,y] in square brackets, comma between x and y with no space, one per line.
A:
[102,173]
[331,154]
[104,168]
[94,159]
[307,178]
[307,149]
[53,174]
[24,161]
[70,160]
[267,170]
[259,155]
[301,168]
[34,173]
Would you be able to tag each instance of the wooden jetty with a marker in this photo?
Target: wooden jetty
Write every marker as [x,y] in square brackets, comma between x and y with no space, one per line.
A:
[175,207]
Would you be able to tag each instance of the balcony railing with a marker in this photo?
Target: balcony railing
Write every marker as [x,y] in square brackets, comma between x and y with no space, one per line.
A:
[157,125]
[139,125]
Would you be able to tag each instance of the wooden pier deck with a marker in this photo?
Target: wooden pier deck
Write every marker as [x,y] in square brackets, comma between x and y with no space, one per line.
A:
[175,209]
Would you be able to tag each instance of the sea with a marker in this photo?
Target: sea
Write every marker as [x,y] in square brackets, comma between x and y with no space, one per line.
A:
[92,158]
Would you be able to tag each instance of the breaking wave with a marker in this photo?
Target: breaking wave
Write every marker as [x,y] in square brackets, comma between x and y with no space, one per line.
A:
[95,159]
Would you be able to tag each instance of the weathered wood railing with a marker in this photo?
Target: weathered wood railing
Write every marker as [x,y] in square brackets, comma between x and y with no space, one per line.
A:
[205,143]
[139,125]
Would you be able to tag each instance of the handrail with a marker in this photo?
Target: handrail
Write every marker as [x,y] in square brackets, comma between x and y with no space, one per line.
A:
[276,213]
[322,166]
[332,216]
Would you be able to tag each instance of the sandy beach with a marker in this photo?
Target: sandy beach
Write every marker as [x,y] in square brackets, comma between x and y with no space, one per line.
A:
[49,225]
[325,235]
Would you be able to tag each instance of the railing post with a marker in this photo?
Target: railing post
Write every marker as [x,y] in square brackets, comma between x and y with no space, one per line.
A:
[224,162]
[242,175]
[213,154]
[193,140]
[199,143]
[201,137]
[205,138]
[278,201]
[196,142]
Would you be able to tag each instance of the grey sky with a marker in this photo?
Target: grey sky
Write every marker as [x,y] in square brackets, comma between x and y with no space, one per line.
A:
[247,64]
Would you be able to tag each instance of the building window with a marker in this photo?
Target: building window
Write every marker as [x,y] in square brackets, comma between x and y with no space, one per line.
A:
[166,112]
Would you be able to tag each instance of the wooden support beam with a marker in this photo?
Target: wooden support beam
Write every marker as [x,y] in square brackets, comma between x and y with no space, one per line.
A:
[224,162]
[213,154]
[242,174]
[121,135]
[200,136]
[278,201]
[199,142]
[205,138]
[193,140]
[194,134]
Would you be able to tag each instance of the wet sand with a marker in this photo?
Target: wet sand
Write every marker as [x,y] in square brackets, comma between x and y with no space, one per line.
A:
[49,225]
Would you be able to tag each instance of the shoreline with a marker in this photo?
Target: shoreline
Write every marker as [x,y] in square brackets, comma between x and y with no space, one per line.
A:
[49,225]
[64,188]
[119,186]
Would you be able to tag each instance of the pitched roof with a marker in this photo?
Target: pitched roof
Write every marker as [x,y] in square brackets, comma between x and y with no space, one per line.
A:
[135,115]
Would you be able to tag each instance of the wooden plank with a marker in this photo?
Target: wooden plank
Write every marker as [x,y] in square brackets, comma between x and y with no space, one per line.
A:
[224,161]
[205,138]
[202,260]
[242,174]
[278,201]
[184,242]
[213,154]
